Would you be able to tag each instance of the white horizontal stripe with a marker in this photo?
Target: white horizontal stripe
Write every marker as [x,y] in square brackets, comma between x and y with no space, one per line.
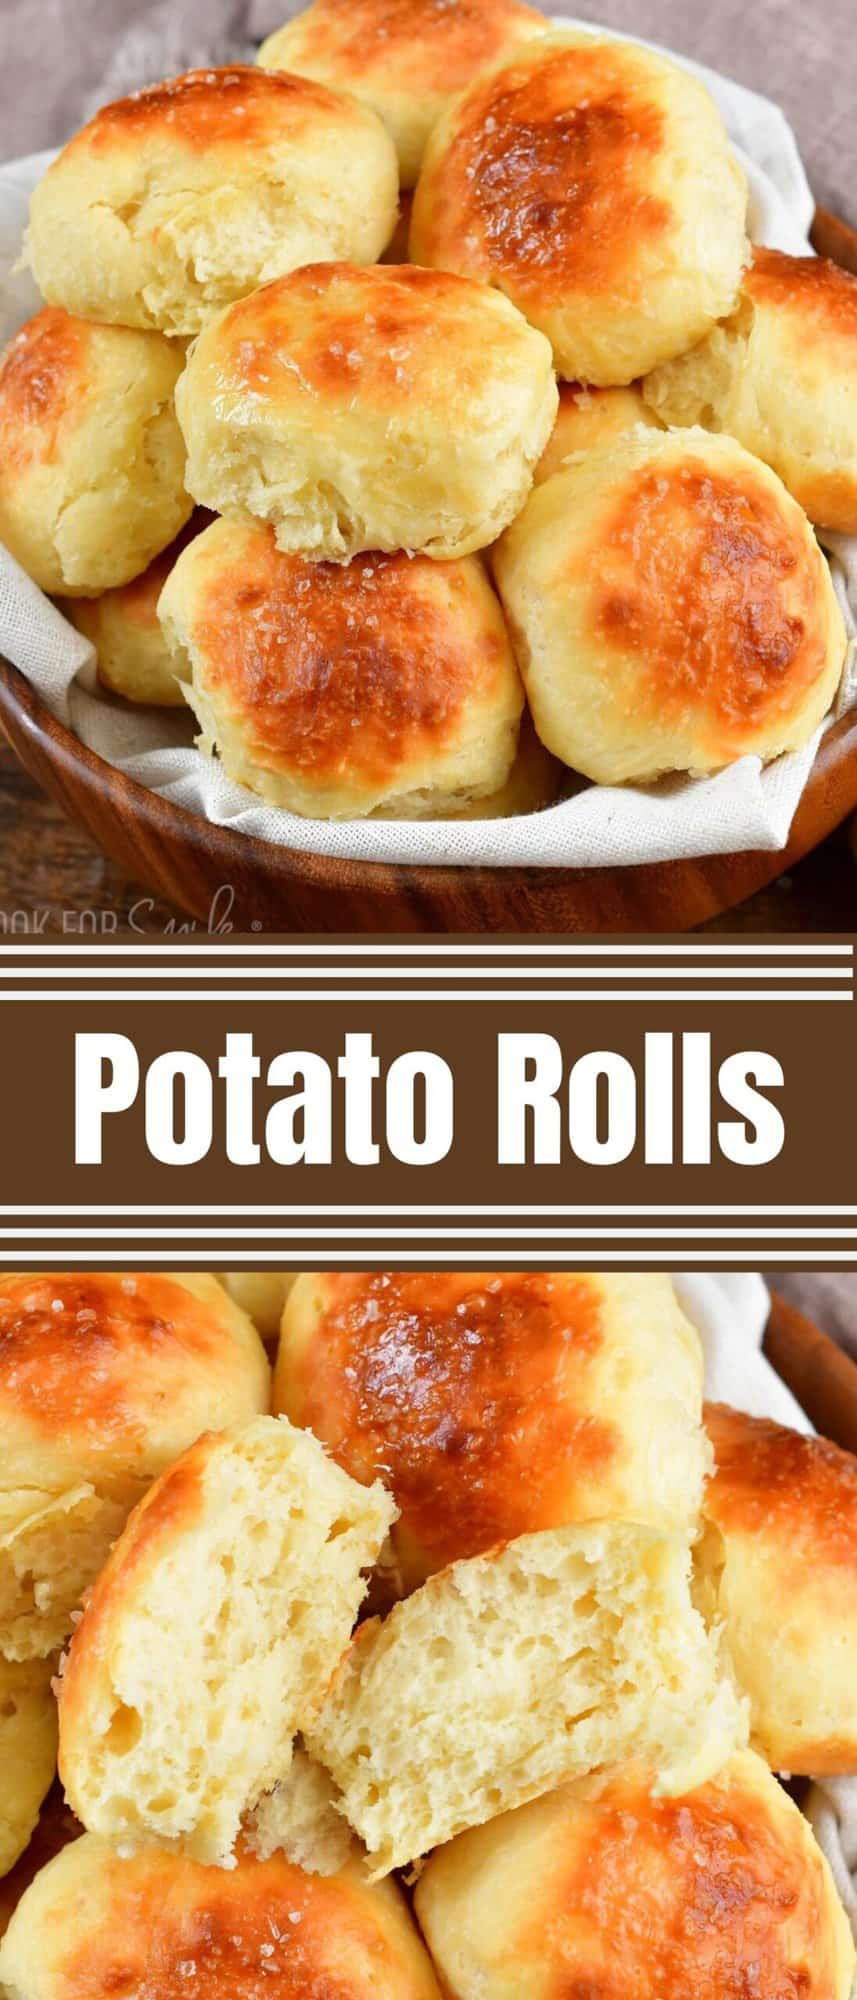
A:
[663,1258]
[248,970]
[483,995]
[432,1208]
[432,948]
[314,1234]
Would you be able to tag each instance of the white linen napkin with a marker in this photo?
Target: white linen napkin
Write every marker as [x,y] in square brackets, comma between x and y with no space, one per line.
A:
[730,1311]
[746,806]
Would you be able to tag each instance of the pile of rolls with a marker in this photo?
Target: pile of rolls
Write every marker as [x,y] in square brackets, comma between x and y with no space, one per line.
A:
[515,448]
[455,1653]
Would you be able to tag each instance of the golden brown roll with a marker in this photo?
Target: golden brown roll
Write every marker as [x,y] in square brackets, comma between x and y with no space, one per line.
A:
[28,1750]
[263,1295]
[536,780]
[498,1405]
[382,409]
[171,203]
[92,460]
[104,1379]
[602,1890]
[778,1565]
[210,1636]
[404,58]
[132,656]
[781,376]
[384,685]
[94,1921]
[300,1819]
[56,1826]
[547,1658]
[593,182]
[592,420]
[670,610]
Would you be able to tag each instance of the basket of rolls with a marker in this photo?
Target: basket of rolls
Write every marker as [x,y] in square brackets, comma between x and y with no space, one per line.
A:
[428,479]
[455,1638]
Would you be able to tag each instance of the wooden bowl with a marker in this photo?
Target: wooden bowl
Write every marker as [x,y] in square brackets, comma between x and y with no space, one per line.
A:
[185,860]
[820,1375]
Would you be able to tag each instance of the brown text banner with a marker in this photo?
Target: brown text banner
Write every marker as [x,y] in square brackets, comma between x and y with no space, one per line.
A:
[380,1102]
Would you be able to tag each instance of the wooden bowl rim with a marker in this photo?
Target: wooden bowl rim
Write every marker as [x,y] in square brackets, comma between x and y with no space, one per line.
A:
[159,815]
[821,1375]
[66,753]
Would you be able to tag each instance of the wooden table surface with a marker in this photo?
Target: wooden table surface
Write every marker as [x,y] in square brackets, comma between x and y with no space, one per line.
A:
[55,882]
